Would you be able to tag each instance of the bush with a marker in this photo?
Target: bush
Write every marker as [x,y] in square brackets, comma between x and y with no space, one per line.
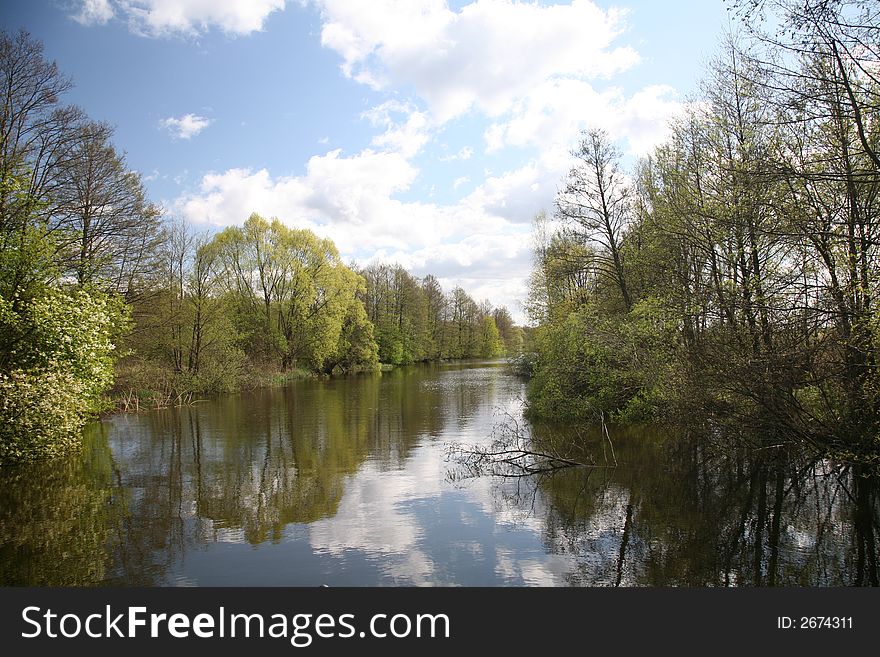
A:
[41,413]
[590,364]
[54,376]
[523,364]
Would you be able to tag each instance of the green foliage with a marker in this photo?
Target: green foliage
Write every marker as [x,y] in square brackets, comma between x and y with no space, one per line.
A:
[356,348]
[398,307]
[54,376]
[41,414]
[292,292]
[490,340]
[415,321]
[744,252]
[578,376]
[390,344]
[261,301]
[592,365]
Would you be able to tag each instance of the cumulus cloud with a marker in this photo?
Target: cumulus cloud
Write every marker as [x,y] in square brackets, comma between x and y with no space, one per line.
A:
[519,194]
[159,18]
[486,55]
[186,126]
[350,191]
[528,76]
[536,71]
[553,113]
[94,12]
[406,129]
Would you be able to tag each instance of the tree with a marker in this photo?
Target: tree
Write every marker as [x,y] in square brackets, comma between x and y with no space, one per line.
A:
[357,348]
[843,33]
[398,307]
[54,379]
[436,313]
[36,136]
[109,233]
[511,335]
[491,345]
[825,95]
[594,205]
[294,282]
[56,344]
[745,252]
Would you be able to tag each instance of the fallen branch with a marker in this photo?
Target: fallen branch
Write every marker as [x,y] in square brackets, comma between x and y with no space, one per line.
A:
[513,452]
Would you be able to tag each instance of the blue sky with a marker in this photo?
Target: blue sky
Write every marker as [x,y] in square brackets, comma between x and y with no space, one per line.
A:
[422,132]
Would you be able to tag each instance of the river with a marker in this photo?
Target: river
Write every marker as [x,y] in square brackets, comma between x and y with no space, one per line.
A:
[349,481]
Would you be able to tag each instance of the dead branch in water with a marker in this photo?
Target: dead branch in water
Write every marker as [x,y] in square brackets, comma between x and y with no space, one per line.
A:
[607,437]
[511,462]
[514,452]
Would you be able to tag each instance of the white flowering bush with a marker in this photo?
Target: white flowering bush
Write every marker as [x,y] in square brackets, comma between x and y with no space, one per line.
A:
[59,364]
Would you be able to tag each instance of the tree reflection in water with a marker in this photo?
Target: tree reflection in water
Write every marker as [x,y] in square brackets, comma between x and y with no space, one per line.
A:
[327,478]
[680,511]
[59,520]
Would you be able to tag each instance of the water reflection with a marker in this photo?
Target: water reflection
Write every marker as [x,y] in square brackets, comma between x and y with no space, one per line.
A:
[59,520]
[345,482]
[682,511]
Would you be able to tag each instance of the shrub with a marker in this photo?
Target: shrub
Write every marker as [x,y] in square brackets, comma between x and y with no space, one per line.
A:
[54,376]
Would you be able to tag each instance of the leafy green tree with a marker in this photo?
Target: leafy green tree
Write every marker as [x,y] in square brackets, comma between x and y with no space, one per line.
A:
[357,348]
[399,307]
[294,282]
[744,251]
[491,345]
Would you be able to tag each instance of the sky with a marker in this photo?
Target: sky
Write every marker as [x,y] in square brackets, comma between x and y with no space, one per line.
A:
[427,133]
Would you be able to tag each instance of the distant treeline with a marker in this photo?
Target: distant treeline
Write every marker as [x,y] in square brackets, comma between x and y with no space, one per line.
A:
[732,277]
[263,300]
[96,287]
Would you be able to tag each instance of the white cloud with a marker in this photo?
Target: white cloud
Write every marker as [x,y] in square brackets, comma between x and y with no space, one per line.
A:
[408,136]
[533,69]
[464,153]
[519,194]
[645,119]
[529,76]
[340,190]
[555,111]
[94,12]
[181,17]
[485,55]
[186,126]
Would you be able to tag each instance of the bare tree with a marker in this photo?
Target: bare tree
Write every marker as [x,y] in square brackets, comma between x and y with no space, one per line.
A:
[595,205]
[36,136]
[111,231]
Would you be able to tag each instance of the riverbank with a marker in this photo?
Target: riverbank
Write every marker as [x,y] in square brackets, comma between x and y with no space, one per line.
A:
[142,385]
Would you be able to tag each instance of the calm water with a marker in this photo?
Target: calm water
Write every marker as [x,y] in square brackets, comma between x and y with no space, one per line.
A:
[347,482]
